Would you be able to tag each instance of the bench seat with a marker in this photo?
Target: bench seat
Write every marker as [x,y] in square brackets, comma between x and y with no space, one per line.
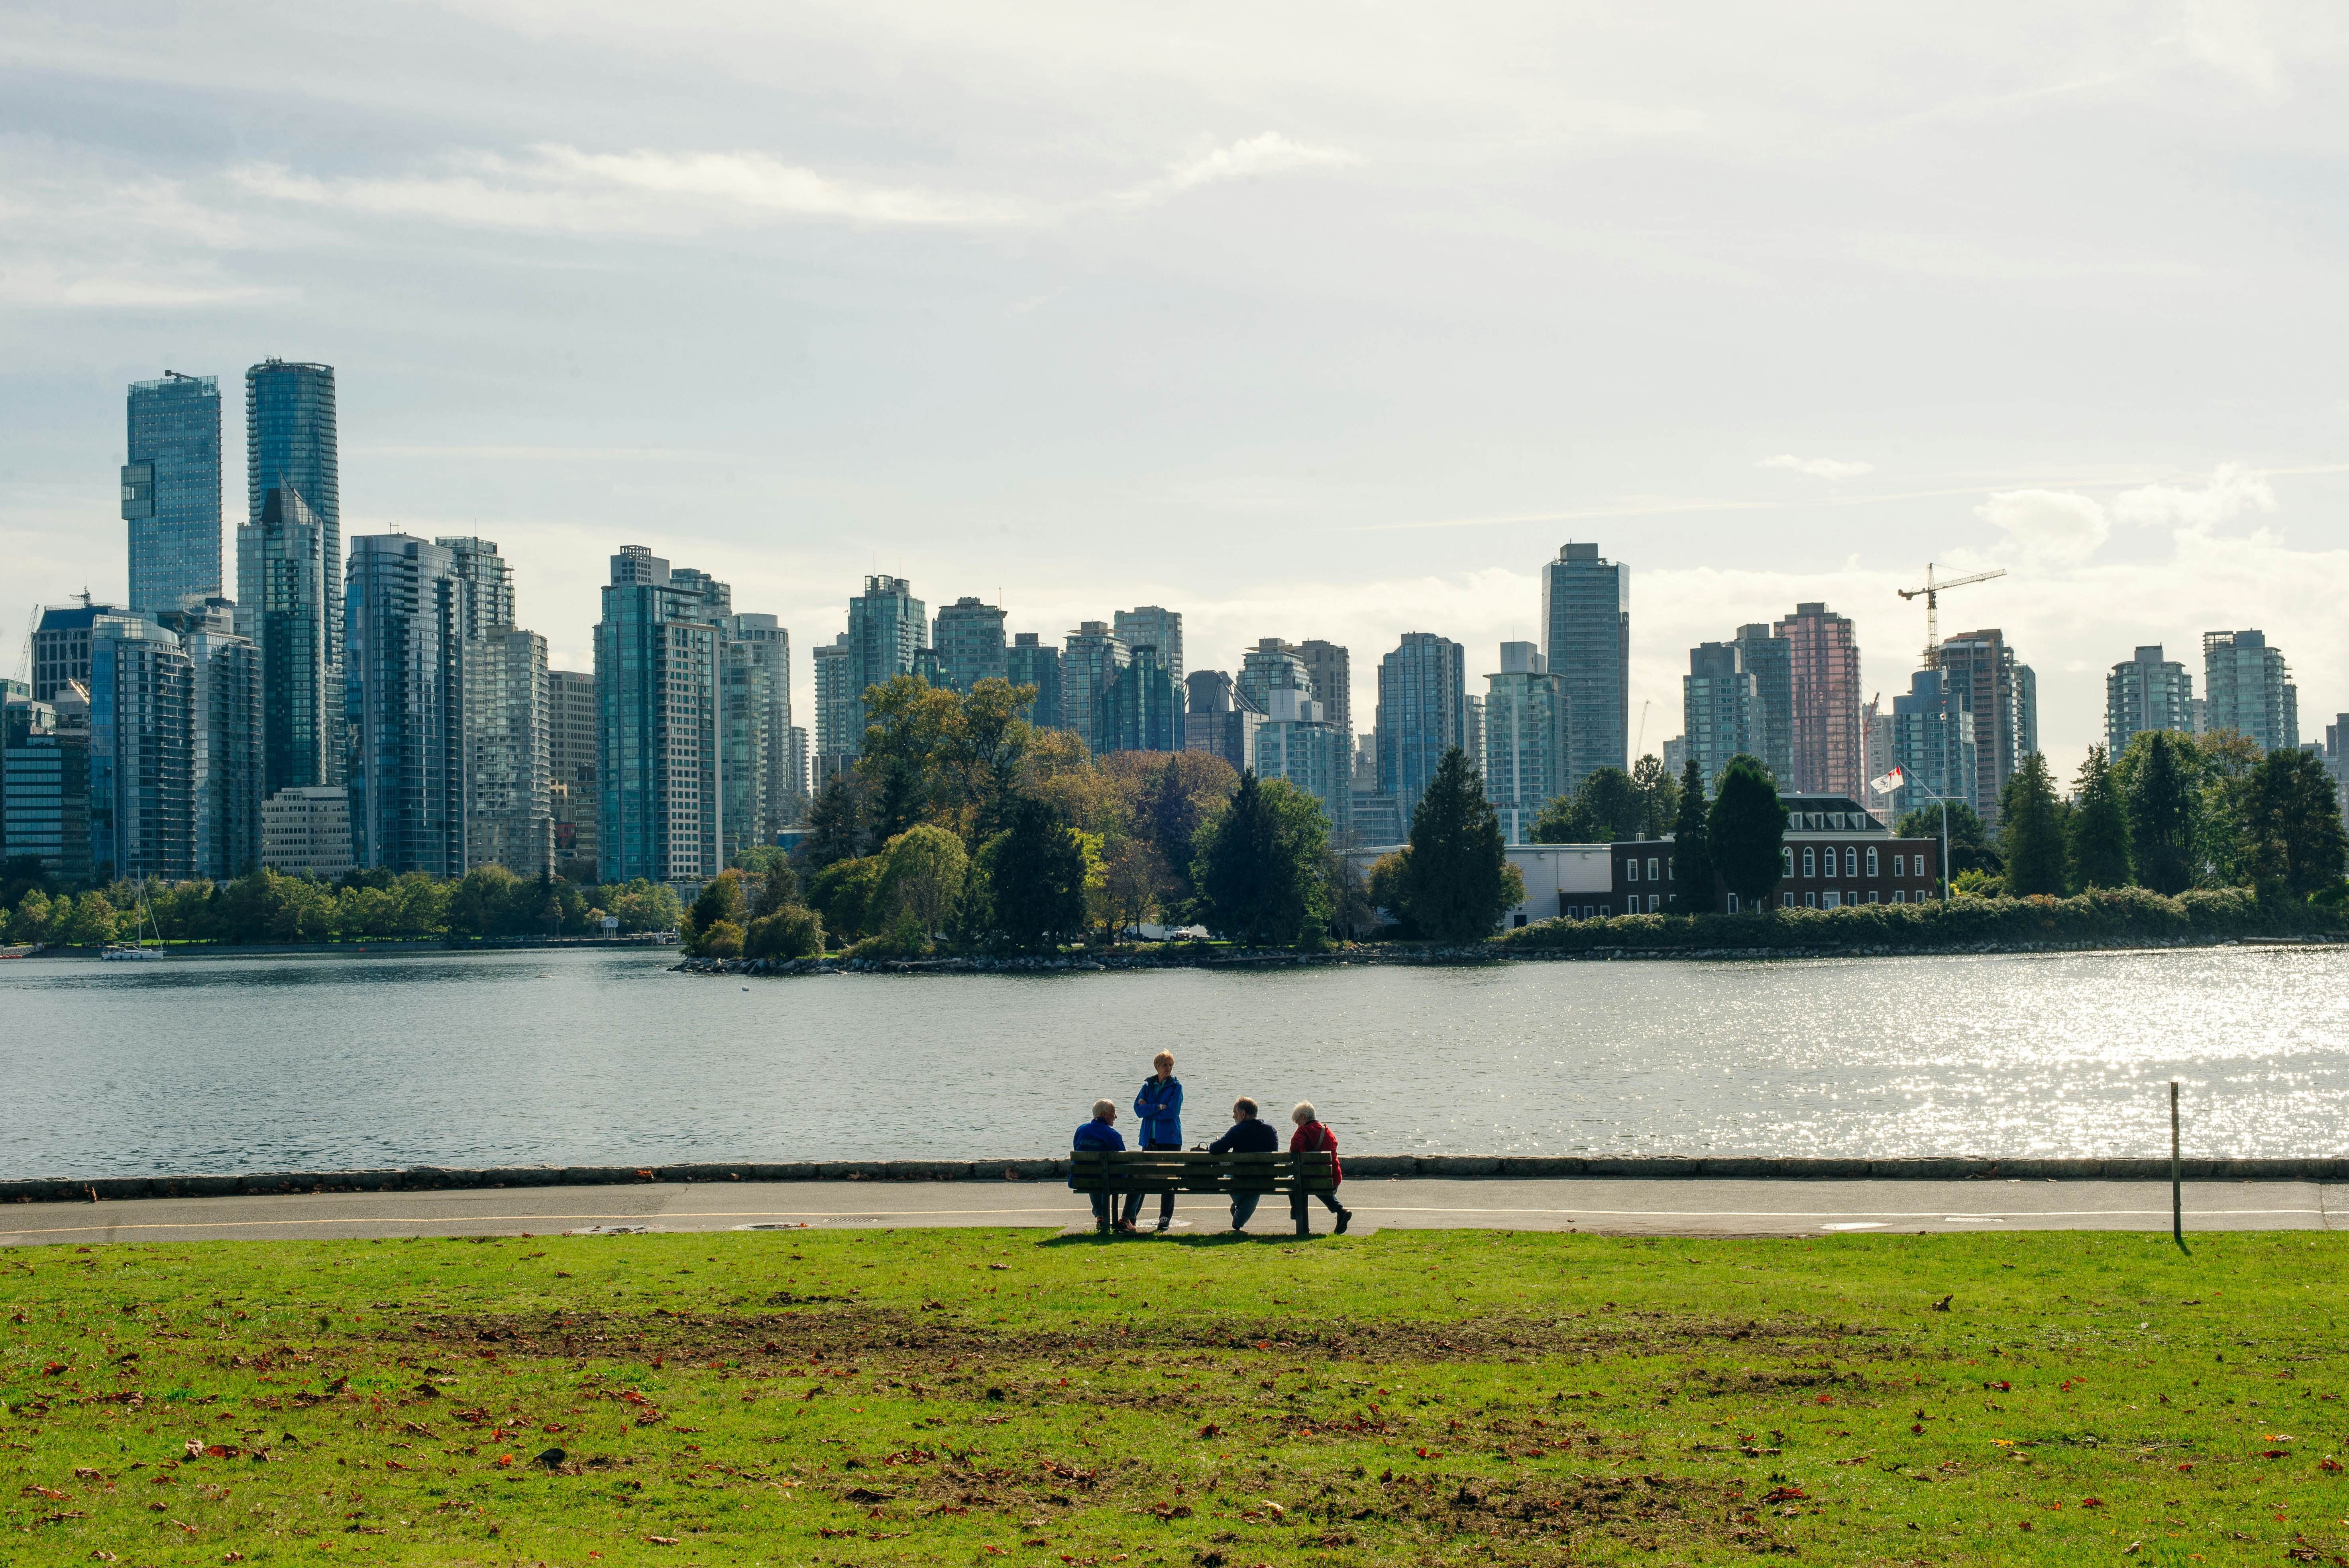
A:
[1196,1170]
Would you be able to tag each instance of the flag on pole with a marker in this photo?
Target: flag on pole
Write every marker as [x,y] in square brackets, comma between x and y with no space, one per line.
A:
[1889,782]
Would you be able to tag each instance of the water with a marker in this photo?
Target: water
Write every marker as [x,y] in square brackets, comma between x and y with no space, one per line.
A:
[602,1057]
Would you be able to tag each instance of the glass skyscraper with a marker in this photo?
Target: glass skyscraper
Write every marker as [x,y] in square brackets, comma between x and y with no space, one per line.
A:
[1422,714]
[289,444]
[657,734]
[404,613]
[1587,644]
[171,491]
[281,573]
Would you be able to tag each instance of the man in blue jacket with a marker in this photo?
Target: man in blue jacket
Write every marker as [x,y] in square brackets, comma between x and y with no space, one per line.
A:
[1101,1133]
[1247,1136]
[1160,1107]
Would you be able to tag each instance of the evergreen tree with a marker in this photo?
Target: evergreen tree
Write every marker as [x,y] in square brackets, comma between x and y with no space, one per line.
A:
[1562,821]
[1692,861]
[1660,796]
[1035,876]
[838,821]
[2031,826]
[1969,846]
[1745,831]
[2293,842]
[1457,882]
[2157,779]
[1259,864]
[1610,805]
[2099,826]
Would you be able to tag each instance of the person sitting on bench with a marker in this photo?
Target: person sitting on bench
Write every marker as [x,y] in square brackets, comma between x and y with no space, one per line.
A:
[1312,1137]
[1102,1133]
[1247,1136]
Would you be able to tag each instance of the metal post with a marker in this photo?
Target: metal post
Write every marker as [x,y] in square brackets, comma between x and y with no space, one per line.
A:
[2177,1193]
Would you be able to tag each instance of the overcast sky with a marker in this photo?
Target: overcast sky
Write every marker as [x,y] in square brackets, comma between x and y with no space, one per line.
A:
[1305,320]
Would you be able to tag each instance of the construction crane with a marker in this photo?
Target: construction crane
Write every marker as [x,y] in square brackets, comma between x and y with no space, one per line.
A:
[1637,745]
[1932,592]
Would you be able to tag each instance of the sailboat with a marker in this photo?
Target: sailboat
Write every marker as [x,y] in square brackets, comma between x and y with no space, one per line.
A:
[136,946]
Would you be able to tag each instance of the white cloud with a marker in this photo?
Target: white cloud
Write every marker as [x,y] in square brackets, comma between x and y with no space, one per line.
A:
[1250,159]
[2231,490]
[1818,467]
[2050,528]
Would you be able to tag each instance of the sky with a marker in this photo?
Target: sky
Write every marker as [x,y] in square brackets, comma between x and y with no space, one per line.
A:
[1307,319]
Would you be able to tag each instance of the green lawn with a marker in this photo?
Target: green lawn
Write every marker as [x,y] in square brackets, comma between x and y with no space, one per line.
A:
[970,1397]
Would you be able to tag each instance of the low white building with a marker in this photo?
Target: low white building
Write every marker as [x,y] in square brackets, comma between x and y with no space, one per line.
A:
[1572,880]
[306,831]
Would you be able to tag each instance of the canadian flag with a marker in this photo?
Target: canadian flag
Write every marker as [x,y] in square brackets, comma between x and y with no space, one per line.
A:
[1889,782]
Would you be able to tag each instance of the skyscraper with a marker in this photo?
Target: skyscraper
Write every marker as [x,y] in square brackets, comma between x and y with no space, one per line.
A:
[291,606]
[61,649]
[571,771]
[1770,735]
[1934,742]
[2002,695]
[1824,652]
[290,445]
[1586,613]
[656,697]
[1089,667]
[886,624]
[2146,692]
[1273,666]
[171,491]
[1296,743]
[1527,739]
[141,818]
[45,781]
[2249,690]
[224,751]
[839,715]
[1150,627]
[403,634]
[1333,681]
[1029,661]
[1423,712]
[507,734]
[1146,709]
[486,595]
[1213,721]
[762,793]
[1718,704]
[969,637]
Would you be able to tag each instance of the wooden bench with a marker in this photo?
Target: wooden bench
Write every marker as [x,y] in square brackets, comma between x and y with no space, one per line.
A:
[1196,1170]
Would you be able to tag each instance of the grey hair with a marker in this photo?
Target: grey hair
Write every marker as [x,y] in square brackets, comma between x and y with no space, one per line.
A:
[1243,1106]
[1103,1110]
[1304,1112]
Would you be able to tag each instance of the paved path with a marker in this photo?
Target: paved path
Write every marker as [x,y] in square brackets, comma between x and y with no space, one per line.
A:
[1676,1208]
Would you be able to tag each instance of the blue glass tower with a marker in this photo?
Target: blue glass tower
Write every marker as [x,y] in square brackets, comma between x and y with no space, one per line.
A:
[289,444]
[1586,616]
[171,491]
[1422,714]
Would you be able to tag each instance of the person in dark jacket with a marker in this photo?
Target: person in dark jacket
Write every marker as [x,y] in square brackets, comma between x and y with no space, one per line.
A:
[1160,1108]
[1312,1137]
[1101,1132]
[1247,1136]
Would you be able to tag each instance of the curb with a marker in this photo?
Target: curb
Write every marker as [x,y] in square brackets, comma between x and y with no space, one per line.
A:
[1446,1167]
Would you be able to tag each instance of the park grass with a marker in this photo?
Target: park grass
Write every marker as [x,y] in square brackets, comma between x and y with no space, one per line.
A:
[977,1396]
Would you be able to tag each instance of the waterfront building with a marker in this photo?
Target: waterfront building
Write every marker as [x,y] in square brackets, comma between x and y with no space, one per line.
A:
[1586,612]
[1934,742]
[2002,692]
[1030,661]
[508,752]
[1146,714]
[290,606]
[2249,690]
[762,790]
[307,833]
[1150,627]
[1718,704]
[485,595]
[571,771]
[1273,666]
[1295,743]
[1333,681]
[1527,739]
[2146,692]
[140,819]
[291,445]
[1216,721]
[1823,651]
[887,626]
[656,762]
[45,781]
[1423,712]
[1835,854]
[224,750]
[405,652]
[839,712]
[969,637]
[61,647]
[1768,658]
[171,491]
[2336,760]
[1090,664]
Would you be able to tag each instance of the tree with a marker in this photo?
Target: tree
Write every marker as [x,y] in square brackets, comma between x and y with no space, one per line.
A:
[2224,763]
[1692,861]
[723,940]
[1563,821]
[2292,826]
[1172,802]
[1132,877]
[2031,830]
[1658,793]
[1383,889]
[92,923]
[1035,876]
[721,902]
[775,885]
[1457,882]
[842,892]
[1744,832]
[1612,805]
[1351,912]
[838,821]
[1257,863]
[922,875]
[1969,847]
[2099,847]
[793,932]
[2156,776]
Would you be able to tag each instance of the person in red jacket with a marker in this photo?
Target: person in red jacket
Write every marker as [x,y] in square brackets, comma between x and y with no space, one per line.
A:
[1312,1137]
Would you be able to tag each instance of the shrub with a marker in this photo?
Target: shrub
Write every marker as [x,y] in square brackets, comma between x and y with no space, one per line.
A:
[723,940]
[787,933]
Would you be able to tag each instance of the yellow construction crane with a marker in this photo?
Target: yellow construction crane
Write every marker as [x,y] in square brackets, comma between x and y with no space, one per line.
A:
[1932,592]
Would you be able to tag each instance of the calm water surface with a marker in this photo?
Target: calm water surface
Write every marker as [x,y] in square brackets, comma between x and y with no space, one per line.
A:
[605,1057]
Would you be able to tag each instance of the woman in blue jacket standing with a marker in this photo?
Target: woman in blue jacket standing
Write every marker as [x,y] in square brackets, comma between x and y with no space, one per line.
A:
[1160,1108]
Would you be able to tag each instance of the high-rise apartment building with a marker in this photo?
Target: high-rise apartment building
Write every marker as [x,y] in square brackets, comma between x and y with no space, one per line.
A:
[657,695]
[2249,690]
[1586,613]
[290,444]
[1719,705]
[1032,661]
[1934,742]
[1528,742]
[291,606]
[405,655]
[1213,721]
[1090,663]
[1333,681]
[45,781]
[1876,730]
[1150,627]
[1823,650]
[61,649]
[887,626]
[762,790]
[485,585]
[2146,692]
[2002,694]
[1770,733]
[224,753]
[1422,714]
[571,771]
[968,635]
[1146,706]
[142,823]
[508,733]
[171,491]
[307,833]
[839,715]
[1296,743]
[1274,666]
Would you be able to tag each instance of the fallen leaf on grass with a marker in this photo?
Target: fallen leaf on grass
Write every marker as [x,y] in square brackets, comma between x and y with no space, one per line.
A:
[662,1539]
